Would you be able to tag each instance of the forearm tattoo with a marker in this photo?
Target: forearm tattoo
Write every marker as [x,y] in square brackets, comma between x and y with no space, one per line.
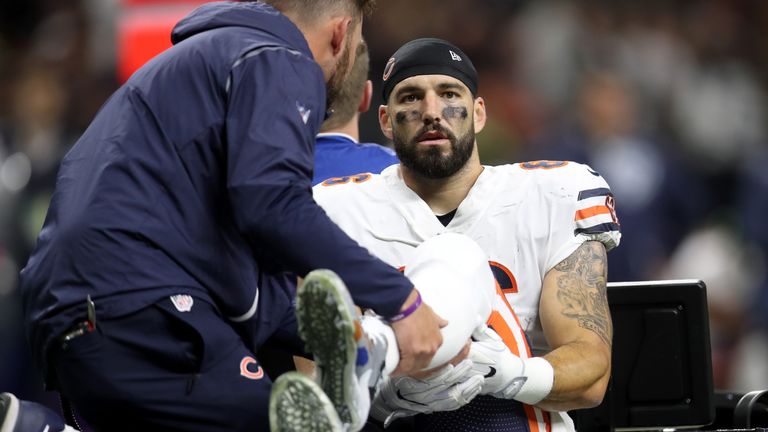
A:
[582,289]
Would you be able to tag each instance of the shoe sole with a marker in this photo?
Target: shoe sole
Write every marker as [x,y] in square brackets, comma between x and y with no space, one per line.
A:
[297,404]
[330,329]
[9,412]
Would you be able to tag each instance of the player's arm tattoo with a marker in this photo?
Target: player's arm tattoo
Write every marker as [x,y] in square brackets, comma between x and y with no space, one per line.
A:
[581,289]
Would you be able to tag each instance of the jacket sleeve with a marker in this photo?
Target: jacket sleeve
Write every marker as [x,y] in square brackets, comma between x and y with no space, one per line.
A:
[276,105]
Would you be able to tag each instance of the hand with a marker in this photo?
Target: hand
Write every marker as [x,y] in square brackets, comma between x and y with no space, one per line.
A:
[503,371]
[448,389]
[418,337]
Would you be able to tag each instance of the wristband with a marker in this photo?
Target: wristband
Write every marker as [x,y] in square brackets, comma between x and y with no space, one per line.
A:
[539,378]
[408,311]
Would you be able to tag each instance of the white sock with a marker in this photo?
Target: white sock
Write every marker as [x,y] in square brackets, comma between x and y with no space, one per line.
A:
[380,333]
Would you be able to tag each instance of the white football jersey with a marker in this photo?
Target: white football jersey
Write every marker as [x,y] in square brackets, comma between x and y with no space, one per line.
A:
[527,217]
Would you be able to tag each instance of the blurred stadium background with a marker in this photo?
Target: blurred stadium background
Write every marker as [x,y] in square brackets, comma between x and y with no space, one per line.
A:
[667,99]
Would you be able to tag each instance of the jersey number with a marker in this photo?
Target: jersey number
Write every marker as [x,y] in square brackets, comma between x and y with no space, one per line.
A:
[357,178]
[543,164]
[504,277]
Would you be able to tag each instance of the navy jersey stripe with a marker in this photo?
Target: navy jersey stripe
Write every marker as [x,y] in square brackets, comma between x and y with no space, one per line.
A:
[596,229]
[589,193]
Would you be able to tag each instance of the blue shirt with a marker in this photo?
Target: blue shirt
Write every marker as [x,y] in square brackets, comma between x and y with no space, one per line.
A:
[195,178]
[339,155]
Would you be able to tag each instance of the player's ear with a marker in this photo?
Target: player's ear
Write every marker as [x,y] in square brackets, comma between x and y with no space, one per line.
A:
[385,122]
[340,27]
[365,99]
[480,116]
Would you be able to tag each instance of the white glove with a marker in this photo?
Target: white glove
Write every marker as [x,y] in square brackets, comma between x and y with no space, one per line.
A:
[448,389]
[503,371]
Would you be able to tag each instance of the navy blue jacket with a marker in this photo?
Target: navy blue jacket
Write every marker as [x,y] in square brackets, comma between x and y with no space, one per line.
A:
[194,178]
[338,155]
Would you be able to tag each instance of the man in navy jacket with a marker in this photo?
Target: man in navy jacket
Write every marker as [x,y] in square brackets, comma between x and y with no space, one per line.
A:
[163,262]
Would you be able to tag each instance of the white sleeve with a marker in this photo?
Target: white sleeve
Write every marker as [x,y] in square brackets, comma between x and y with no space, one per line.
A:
[583,209]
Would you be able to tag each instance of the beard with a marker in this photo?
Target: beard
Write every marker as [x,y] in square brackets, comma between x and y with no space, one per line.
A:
[429,162]
[336,81]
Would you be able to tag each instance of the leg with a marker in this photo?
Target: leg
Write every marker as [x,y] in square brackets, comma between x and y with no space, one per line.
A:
[454,278]
[162,369]
[329,325]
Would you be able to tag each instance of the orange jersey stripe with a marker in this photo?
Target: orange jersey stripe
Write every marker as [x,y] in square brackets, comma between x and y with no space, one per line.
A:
[517,321]
[527,348]
[592,211]
[499,292]
[533,415]
[538,420]
[502,329]
[533,423]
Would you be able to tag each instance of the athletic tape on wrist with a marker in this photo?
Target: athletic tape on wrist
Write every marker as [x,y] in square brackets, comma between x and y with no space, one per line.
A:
[540,376]
[408,311]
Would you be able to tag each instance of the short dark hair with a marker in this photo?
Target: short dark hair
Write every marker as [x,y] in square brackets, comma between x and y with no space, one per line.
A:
[345,104]
[308,10]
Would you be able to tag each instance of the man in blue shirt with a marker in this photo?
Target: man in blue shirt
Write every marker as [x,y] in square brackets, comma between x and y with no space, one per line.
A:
[178,216]
[338,152]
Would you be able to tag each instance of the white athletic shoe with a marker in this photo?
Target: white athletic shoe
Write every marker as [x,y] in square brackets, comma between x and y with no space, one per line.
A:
[330,327]
[297,404]
[26,416]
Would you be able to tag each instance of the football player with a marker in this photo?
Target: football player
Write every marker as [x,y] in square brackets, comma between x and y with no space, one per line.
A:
[545,227]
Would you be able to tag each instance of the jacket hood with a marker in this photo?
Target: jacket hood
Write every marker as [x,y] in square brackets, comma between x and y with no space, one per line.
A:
[256,15]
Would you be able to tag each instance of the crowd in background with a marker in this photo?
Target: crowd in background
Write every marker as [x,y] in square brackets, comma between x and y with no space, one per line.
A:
[668,100]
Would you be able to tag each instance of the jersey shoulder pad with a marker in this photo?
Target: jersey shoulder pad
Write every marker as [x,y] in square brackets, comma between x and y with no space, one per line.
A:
[348,179]
[346,188]
[595,215]
[577,186]
[563,176]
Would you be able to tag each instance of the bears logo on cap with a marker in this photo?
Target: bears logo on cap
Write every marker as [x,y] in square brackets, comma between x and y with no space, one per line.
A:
[388,68]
